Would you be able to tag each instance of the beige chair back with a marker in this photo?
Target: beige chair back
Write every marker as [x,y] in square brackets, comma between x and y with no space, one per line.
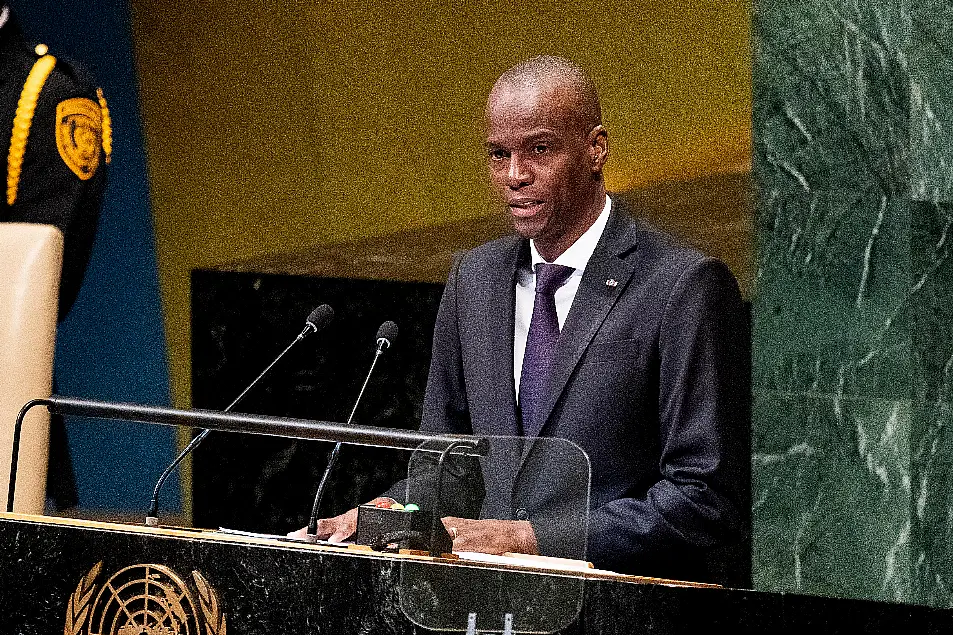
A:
[30,262]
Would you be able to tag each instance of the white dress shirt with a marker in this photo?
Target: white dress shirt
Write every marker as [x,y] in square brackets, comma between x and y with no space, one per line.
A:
[577,257]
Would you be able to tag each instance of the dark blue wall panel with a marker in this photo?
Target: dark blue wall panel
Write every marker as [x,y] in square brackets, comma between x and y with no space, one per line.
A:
[112,345]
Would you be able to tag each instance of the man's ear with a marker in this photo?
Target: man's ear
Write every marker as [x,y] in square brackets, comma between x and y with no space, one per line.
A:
[598,147]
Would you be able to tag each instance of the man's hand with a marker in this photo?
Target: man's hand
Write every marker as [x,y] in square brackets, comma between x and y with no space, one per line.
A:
[491,536]
[336,529]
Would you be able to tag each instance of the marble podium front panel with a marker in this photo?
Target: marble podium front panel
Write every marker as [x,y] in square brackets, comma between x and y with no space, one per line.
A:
[113,579]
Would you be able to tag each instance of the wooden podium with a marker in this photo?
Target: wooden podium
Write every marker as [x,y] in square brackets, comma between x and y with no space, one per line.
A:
[90,578]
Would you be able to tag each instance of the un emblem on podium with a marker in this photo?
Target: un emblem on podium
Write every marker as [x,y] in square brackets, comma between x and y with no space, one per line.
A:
[143,599]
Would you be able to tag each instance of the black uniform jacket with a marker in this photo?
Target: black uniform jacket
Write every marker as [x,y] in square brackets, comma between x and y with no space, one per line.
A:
[62,180]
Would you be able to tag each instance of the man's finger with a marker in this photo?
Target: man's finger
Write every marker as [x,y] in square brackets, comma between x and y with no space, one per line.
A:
[452,525]
[325,528]
[453,521]
[340,535]
[300,534]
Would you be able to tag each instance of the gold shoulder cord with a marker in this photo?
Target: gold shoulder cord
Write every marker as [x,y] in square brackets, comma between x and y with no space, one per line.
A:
[21,123]
[107,126]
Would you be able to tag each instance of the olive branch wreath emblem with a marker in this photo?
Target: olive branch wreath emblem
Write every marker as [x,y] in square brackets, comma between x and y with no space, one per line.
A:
[78,607]
[208,600]
[81,604]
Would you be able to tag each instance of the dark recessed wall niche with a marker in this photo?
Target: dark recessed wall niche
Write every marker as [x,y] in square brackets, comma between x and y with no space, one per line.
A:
[240,322]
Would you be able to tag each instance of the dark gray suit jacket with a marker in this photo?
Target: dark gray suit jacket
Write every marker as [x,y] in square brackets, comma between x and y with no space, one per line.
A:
[651,382]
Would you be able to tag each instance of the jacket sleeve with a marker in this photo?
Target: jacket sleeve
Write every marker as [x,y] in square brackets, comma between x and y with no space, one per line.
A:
[699,501]
[445,400]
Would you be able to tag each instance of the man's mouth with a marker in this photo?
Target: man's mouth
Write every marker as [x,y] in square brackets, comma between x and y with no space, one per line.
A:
[524,207]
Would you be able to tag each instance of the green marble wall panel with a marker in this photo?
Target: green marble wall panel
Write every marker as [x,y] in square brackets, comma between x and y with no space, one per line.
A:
[831,92]
[931,118]
[932,504]
[853,303]
[931,300]
[831,485]
[830,310]
[932,432]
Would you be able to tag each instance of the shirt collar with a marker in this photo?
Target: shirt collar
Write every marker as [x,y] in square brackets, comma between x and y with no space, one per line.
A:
[579,253]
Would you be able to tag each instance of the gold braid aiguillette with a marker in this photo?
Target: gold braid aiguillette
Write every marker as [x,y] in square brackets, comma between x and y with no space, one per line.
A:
[22,121]
[107,126]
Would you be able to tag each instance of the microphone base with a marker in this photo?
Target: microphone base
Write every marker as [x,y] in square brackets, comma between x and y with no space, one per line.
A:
[152,521]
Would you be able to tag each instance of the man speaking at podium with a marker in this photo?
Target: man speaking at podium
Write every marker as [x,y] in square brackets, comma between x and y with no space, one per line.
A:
[591,326]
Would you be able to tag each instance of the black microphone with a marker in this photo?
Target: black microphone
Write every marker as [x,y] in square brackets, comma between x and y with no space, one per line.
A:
[386,334]
[317,320]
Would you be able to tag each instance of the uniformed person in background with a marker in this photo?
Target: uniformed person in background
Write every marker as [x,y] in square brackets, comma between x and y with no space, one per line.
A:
[55,139]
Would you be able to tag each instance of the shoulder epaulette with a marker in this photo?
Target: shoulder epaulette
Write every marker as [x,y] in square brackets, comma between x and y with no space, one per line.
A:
[24,118]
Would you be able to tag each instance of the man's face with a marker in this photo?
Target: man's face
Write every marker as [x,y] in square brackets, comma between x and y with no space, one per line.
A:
[542,161]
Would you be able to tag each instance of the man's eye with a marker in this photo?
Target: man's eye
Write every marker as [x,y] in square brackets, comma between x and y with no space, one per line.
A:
[498,155]
[540,148]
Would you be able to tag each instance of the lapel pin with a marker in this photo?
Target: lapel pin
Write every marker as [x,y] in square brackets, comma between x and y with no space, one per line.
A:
[612,282]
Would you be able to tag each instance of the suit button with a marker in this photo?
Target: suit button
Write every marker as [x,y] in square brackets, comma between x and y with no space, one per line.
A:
[521,514]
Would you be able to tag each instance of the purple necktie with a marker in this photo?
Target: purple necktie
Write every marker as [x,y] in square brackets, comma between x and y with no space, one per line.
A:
[540,344]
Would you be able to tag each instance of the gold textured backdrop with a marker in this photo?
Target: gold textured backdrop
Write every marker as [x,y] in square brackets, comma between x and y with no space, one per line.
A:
[274,126]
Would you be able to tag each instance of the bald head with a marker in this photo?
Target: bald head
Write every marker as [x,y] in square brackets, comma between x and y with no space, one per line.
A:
[559,78]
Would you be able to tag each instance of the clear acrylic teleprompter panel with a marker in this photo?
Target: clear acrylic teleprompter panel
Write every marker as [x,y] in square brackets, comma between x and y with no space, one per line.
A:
[542,480]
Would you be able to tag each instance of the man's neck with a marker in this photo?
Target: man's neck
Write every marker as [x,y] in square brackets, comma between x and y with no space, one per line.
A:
[4,15]
[550,250]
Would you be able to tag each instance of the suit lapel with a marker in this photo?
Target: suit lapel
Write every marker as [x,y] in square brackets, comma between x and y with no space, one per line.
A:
[498,337]
[606,276]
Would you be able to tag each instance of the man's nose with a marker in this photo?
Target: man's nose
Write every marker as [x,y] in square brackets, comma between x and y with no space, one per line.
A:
[519,174]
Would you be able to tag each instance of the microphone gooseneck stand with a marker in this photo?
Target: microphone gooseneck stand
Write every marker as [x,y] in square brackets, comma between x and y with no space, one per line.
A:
[385,338]
[316,321]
